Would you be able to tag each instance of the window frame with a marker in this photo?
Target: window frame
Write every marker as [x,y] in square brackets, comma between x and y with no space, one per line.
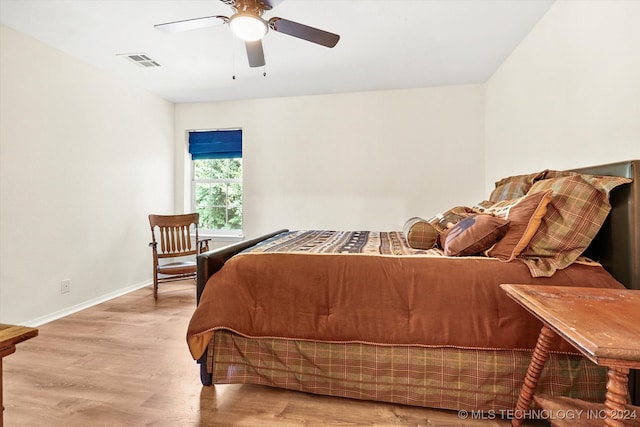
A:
[231,234]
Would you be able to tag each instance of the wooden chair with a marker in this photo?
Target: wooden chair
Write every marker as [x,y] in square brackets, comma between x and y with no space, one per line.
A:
[175,236]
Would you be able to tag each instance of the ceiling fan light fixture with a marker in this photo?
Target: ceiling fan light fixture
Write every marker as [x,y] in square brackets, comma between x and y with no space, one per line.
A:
[248,27]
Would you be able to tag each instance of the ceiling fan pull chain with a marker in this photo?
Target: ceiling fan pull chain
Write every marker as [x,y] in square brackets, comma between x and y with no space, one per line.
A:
[233,58]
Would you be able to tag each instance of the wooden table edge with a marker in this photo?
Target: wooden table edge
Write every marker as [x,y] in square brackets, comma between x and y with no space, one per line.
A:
[598,355]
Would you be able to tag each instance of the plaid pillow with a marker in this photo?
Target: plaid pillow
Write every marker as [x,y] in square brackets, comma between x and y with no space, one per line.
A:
[525,214]
[601,182]
[419,234]
[577,210]
[515,186]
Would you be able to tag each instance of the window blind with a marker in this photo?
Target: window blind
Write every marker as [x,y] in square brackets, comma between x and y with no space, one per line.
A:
[215,144]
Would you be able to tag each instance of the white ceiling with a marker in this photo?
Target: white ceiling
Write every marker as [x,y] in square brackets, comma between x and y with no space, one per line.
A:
[385,44]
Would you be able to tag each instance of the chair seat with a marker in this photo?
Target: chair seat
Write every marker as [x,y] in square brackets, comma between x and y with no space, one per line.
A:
[183,267]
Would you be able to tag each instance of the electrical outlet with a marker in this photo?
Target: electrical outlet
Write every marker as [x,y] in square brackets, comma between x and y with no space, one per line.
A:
[65,286]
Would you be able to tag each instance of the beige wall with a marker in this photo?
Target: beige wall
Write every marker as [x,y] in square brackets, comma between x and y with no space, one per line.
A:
[569,95]
[83,159]
[349,161]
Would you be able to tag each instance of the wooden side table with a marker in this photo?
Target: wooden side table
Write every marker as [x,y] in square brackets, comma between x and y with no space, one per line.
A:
[10,335]
[603,324]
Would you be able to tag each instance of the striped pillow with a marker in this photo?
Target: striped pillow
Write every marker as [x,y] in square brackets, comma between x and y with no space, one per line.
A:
[450,217]
[577,210]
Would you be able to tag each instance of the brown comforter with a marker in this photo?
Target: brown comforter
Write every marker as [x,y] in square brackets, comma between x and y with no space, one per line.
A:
[408,300]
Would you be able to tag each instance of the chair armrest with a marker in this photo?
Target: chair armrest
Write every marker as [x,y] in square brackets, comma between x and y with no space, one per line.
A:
[203,245]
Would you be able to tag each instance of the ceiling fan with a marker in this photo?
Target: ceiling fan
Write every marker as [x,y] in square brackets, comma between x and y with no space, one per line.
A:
[247,24]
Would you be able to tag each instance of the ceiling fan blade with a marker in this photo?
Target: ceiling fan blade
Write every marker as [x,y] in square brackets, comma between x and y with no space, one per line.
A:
[304,32]
[255,53]
[192,24]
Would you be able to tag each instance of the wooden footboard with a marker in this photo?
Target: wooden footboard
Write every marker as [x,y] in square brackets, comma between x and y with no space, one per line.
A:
[210,262]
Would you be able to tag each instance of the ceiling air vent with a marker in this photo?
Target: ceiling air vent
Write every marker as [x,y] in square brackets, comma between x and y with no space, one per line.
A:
[141,59]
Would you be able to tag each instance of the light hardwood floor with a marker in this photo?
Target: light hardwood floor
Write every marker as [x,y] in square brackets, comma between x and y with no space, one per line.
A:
[125,363]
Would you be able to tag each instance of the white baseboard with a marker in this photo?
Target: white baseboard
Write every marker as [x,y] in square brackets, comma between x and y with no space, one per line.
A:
[84,305]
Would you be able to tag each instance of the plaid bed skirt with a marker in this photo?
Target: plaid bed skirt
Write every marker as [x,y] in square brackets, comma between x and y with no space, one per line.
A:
[445,378]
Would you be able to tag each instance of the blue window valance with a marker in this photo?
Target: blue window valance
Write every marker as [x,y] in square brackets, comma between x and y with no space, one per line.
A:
[215,144]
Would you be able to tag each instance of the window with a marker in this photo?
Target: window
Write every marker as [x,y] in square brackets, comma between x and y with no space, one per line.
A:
[216,185]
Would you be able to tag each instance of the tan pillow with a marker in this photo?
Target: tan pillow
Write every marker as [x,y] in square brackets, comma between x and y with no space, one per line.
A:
[577,210]
[525,214]
[473,235]
[419,233]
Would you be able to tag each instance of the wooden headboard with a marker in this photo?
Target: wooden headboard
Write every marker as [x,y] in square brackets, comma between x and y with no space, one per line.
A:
[617,245]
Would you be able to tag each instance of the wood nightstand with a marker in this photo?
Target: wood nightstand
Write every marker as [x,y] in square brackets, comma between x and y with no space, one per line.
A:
[10,335]
[603,324]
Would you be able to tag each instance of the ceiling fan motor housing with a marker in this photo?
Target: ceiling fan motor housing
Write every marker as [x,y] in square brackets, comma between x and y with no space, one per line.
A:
[254,7]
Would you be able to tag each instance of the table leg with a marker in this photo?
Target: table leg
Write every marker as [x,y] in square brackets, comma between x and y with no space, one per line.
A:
[539,358]
[616,397]
[1,405]
[4,352]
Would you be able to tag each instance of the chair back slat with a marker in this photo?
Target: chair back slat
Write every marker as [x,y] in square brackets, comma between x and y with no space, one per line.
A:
[186,241]
[175,242]
[175,246]
[163,239]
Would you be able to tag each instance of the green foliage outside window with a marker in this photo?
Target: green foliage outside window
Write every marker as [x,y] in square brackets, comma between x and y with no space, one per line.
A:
[218,193]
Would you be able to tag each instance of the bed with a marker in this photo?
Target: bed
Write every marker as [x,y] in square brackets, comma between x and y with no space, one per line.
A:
[377,316]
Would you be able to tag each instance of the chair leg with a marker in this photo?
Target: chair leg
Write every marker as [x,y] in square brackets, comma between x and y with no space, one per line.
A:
[155,286]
